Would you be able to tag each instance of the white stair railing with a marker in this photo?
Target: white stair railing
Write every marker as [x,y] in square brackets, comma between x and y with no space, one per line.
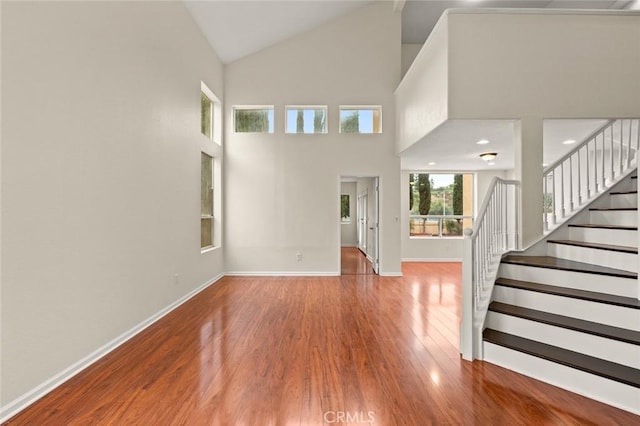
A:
[494,233]
[601,160]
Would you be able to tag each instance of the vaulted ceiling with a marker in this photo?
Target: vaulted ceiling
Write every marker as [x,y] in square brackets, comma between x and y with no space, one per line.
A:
[237,28]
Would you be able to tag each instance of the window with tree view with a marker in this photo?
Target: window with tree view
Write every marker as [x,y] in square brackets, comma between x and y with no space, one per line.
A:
[310,120]
[206,116]
[440,204]
[360,119]
[345,209]
[253,119]
[206,201]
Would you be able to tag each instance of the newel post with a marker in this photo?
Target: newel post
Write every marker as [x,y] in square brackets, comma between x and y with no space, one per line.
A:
[466,327]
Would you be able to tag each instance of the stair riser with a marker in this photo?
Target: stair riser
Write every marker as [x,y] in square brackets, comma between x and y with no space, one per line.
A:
[604,236]
[603,313]
[614,217]
[608,391]
[591,282]
[588,344]
[611,259]
[623,200]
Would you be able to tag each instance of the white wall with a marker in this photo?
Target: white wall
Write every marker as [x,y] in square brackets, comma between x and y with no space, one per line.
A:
[545,64]
[423,95]
[349,230]
[100,176]
[527,65]
[409,53]
[286,187]
[443,249]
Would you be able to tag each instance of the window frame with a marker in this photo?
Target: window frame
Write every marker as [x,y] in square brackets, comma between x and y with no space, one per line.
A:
[216,114]
[440,217]
[204,96]
[249,108]
[204,215]
[360,108]
[346,221]
[306,107]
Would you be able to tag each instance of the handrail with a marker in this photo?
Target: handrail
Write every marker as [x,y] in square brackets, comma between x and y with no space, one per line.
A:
[579,146]
[495,232]
[589,169]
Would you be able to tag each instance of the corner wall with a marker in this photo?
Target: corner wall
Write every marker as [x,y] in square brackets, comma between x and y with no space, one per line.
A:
[100,176]
[286,186]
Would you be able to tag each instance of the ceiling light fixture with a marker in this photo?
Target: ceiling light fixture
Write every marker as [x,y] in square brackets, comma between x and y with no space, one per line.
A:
[488,156]
[432,163]
[482,142]
[568,142]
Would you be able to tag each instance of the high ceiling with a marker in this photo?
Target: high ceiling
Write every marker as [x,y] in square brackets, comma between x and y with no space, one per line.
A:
[420,16]
[237,28]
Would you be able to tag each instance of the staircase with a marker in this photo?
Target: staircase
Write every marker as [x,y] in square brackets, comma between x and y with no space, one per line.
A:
[571,317]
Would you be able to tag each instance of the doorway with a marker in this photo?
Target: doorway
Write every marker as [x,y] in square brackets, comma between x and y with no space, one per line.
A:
[359,225]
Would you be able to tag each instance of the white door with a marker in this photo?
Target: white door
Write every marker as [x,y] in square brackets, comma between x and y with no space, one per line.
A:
[374,229]
[362,221]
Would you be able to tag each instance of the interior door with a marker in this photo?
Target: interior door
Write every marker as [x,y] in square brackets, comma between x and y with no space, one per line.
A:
[362,221]
[374,228]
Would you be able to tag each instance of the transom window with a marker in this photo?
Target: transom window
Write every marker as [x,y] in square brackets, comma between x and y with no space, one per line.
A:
[210,114]
[206,116]
[253,119]
[306,119]
[360,119]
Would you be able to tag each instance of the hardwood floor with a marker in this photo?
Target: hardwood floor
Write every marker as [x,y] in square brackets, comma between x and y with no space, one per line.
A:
[354,262]
[311,351]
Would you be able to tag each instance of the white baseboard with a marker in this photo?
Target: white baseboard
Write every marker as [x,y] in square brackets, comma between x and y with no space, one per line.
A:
[349,245]
[390,274]
[281,274]
[432,259]
[23,401]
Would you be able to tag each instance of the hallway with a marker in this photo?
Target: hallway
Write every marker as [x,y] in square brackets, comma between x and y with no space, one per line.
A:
[354,262]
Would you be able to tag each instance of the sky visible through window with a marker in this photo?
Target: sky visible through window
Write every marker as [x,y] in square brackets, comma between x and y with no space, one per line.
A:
[308,119]
[365,119]
[440,180]
[270,114]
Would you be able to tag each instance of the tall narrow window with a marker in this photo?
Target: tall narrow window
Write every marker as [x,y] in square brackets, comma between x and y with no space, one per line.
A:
[345,209]
[360,119]
[258,119]
[306,119]
[206,201]
[206,116]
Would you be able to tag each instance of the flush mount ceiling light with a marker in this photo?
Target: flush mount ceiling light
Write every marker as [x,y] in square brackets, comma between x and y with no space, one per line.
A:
[482,142]
[432,163]
[488,156]
[568,142]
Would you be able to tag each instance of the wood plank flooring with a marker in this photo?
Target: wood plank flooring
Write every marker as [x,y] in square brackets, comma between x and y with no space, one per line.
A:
[311,351]
[354,262]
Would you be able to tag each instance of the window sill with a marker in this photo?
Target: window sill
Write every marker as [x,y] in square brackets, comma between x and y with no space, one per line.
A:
[435,238]
[209,249]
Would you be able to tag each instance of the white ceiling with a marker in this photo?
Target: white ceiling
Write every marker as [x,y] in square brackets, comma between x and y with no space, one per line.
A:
[453,147]
[237,28]
[420,16]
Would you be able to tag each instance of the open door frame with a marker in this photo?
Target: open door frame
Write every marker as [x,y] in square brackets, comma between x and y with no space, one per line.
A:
[371,226]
